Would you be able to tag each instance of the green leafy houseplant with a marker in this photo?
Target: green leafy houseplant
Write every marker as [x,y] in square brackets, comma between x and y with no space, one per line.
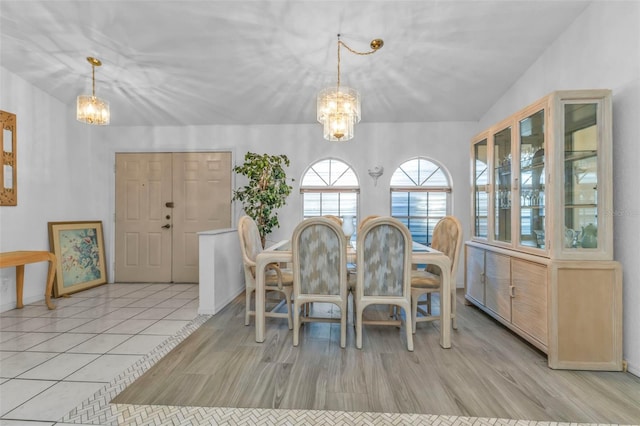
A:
[266,191]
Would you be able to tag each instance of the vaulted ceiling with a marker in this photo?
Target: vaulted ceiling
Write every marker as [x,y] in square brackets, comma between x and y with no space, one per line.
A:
[193,62]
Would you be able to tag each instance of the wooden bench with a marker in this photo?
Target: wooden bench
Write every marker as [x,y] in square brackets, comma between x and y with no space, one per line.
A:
[21,258]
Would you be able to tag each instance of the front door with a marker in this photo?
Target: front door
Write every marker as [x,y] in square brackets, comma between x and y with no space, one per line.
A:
[162,201]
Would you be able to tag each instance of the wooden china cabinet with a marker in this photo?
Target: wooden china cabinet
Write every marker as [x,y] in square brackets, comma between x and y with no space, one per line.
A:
[540,260]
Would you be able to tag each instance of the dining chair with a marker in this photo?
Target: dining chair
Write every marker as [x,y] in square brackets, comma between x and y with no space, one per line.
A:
[336,219]
[319,251]
[277,279]
[447,238]
[351,268]
[365,220]
[383,256]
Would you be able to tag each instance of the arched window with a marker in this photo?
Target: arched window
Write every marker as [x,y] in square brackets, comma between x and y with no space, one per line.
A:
[420,196]
[329,187]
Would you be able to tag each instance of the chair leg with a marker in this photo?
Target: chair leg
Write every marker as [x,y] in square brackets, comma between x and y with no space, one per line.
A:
[296,324]
[414,312]
[345,313]
[247,309]
[287,297]
[359,327]
[343,324]
[355,309]
[429,303]
[453,309]
[410,329]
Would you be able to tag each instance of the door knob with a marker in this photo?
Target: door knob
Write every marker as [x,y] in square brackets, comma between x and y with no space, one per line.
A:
[167,226]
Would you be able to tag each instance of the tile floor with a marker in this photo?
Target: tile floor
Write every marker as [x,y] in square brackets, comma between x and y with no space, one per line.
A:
[53,360]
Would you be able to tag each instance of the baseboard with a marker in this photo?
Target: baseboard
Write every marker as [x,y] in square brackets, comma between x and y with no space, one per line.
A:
[25,300]
[633,369]
[219,306]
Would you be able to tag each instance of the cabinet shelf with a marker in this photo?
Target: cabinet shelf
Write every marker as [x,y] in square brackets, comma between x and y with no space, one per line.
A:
[532,167]
[580,206]
[570,156]
[532,207]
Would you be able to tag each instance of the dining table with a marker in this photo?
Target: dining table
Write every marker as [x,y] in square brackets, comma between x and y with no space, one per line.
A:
[420,254]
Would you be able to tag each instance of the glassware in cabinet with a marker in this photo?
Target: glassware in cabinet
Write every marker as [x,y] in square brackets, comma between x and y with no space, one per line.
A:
[502,196]
[532,180]
[581,175]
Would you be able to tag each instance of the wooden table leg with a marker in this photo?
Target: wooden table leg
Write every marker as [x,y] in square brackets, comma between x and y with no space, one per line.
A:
[19,285]
[23,257]
[49,289]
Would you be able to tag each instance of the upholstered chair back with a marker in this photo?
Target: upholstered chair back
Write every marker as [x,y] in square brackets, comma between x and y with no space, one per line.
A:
[319,250]
[250,244]
[384,257]
[447,238]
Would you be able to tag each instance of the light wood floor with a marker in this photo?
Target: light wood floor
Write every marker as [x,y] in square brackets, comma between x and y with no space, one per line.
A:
[489,372]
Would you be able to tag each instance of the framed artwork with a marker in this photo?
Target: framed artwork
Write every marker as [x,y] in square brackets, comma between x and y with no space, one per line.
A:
[9,172]
[79,250]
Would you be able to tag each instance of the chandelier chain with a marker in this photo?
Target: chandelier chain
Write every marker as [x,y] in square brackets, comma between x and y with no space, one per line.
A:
[357,52]
[341,43]
[93,79]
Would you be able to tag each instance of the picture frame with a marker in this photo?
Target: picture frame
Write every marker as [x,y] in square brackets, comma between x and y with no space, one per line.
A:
[79,251]
[8,160]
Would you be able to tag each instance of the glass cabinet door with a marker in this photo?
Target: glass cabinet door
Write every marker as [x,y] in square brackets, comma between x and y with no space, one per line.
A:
[502,185]
[580,175]
[532,180]
[480,181]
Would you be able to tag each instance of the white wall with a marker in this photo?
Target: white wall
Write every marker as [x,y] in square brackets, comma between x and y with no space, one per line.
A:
[601,50]
[383,144]
[59,179]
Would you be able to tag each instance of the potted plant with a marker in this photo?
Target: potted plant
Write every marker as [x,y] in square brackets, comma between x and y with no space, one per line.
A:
[266,191]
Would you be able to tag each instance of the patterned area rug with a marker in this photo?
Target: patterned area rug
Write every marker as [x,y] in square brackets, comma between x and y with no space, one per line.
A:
[97,410]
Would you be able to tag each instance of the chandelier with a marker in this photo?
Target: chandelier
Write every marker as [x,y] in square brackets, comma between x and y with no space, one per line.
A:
[338,107]
[91,109]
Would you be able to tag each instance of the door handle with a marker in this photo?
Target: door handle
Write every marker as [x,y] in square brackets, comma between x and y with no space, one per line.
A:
[167,226]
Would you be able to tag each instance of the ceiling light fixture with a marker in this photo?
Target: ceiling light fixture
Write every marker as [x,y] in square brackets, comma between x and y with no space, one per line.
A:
[91,109]
[338,107]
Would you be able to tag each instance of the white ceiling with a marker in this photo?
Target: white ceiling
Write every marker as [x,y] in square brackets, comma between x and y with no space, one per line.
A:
[262,62]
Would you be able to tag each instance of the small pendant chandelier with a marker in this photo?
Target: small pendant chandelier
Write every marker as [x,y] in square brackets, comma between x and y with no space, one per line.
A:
[90,108]
[338,107]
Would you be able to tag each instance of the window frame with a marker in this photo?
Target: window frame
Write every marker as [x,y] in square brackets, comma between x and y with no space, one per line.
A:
[422,188]
[330,189]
